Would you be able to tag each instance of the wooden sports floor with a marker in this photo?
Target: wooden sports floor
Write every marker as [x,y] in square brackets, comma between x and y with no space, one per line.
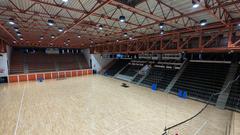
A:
[98,105]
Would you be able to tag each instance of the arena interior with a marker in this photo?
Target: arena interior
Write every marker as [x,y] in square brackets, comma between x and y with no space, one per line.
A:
[119,67]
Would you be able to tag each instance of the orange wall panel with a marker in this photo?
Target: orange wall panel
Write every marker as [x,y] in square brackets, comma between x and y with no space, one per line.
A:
[22,78]
[74,73]
[54,75]
[31,77]
[48,76]
[79,73]
[68,74]
[90,72]
[61,74]
[39,76]
[85,72]
[13,78]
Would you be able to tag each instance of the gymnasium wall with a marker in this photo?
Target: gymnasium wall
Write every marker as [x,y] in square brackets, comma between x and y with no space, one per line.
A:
[98,62]
[3,65]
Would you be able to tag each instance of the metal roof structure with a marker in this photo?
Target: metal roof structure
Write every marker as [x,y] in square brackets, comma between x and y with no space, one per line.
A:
[84,17]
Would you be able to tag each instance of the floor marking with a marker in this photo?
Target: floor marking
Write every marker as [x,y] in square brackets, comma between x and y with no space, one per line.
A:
[19,111]
[203,125]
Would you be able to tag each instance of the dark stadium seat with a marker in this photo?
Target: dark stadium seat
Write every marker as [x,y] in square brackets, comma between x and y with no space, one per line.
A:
[117,66]
[161,76]
[201,80]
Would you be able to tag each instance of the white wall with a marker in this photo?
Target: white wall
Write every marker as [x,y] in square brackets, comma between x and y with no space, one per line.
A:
[3,65]
[98,63]
[9,54]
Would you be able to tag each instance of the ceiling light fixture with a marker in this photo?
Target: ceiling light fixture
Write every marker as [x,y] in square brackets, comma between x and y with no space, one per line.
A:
[21,38]
[122,19]
[195,3]
[125,34]
[65,1]
[161,25]
[162,32]
[16,28]
[11,21]
[100,27]
[19,34]
[79,36]
[203,22]
[41,37]
[52,36]
[50,22]
[60,29]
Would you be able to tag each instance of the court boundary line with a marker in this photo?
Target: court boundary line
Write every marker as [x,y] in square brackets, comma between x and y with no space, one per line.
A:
[202,126]
[19,111]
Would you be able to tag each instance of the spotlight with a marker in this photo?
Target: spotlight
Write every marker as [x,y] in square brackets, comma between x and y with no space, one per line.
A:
[130,38]
[161,25]
[195,3]
[125,34]
[100,27]
[162,32]
[122,19]
[79,36]
[16,28]
[68,40]
[11,21]
[239,25]
[21,38]
[65,1]
[41,37]
[19,34]
[91,41]
[52,36]
[50,22]
[14,42]
[117,40]
[203,22]
[60,29]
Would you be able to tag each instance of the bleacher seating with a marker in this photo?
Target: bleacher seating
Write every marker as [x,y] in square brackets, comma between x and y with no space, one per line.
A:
[117,66]
[131,70]
[161,76]
[234,96]
[201,80]
[41,62]
[17,60]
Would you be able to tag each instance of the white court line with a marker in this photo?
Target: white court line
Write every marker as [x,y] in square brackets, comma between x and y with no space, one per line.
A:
[19,111]
[203,125]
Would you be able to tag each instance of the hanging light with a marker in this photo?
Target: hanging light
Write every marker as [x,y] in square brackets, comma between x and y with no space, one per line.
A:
[11,21]
[117,40]
[50,22]
[60,29]
[161,25]
[19,34]
[68,40]
[16,28]
[14,42]
[91,41]
[79,36]
[125,34]
[52,36]
[21,38]
[65,1]
[122,19]
[130,38]
[195,3]
[162,32]
[41,37]
[100,27]
[203,22]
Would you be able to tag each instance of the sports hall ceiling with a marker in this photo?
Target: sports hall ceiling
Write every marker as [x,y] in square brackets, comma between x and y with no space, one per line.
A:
[86,22]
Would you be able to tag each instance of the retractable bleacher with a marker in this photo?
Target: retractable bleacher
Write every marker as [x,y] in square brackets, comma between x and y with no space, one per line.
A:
[118,65]
[201,80]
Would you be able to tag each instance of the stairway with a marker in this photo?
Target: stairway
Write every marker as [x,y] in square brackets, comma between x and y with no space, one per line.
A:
[174,80]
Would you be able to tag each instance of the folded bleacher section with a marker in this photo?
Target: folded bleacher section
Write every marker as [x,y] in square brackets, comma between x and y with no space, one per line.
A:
[234,95]
[41,62]
[201,80]
[162,74]
[116,67]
